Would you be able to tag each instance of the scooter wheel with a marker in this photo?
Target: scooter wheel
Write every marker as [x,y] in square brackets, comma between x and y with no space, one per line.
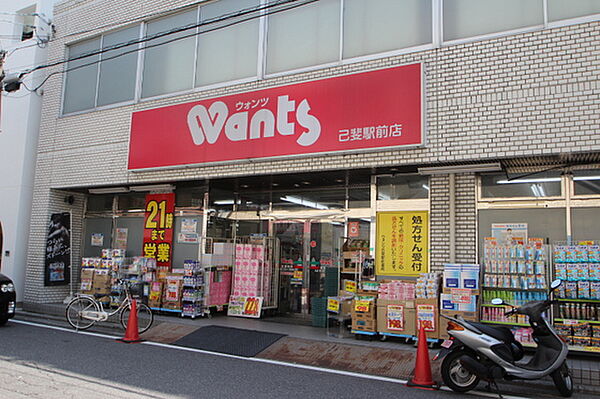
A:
[563,380]
[455,376]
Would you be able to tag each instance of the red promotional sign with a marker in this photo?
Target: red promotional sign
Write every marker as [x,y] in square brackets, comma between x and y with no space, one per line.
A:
[158,228]
[363,111]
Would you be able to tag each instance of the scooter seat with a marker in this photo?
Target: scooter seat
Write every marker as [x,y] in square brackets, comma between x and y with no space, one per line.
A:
[501,333]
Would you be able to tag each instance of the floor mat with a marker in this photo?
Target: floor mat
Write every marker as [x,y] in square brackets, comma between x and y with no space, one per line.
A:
[233,341]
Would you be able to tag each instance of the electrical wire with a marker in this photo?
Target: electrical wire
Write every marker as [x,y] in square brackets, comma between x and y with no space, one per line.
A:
[181,29]
[146,39]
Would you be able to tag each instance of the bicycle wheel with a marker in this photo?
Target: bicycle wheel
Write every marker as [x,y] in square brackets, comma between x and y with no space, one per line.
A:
[75,309]
[145,317]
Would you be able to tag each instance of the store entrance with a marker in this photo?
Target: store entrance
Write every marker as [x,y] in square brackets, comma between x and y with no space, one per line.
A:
[307,248]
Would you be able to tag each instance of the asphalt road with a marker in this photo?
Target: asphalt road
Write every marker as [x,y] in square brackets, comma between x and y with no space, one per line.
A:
[49,363]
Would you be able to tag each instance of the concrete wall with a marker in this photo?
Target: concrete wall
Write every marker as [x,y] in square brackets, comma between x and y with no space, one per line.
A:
[510,96]
[19,129]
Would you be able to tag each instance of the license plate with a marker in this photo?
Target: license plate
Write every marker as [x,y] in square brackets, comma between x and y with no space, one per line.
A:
[447,343]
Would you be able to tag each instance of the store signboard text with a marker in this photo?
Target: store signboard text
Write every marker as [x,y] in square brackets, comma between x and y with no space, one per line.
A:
[369,110]
[158,228]
[402,244]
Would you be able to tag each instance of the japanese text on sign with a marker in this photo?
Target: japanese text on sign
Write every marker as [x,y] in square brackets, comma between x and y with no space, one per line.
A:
[158,228]
[402,243]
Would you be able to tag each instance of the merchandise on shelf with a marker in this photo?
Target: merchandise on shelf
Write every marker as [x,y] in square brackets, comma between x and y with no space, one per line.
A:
[460,293]
[253,273]
[397,290]
[428,285]
[192,294]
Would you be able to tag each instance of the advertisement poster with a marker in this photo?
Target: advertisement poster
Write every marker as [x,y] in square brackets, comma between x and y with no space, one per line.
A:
[121,237]
[189,225]
[402,243]
[245,306]
[353,229]
[395,317]
[188,238]
[333,305]
[58,250]
[97,240]
[510,233]
[323,116]
[158,228]
[426,317]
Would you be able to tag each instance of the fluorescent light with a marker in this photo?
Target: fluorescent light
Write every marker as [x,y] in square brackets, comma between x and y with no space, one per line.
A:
[578,178]
[484,167]
[539,180]
[224,202]
[304,202]
[108,190]
[154,187]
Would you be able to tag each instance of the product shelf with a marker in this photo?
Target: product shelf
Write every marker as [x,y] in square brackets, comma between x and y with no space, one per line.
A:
[577,321]
[505,323]
[579,300]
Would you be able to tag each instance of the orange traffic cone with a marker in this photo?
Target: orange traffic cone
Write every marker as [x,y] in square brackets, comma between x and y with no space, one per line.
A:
[132,335]
[422,375]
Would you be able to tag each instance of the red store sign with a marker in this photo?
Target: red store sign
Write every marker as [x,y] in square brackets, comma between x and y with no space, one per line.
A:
[158,228]
[364,111]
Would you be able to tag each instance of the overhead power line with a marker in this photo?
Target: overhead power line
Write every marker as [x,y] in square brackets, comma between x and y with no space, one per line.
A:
[268,8]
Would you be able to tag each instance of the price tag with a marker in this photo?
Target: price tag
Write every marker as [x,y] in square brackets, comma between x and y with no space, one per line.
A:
[362,306]
[461,295]
[350,286]
[395,317]
[333,305]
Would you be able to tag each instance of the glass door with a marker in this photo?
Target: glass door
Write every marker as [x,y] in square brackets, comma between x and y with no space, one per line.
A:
[307,248]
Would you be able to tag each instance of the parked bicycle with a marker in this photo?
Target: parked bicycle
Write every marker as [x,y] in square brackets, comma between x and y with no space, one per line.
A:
[85,310]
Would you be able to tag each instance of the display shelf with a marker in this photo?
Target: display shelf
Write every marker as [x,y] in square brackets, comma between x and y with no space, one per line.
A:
[515,289]
[167,310]
[505,323]
[579,300]
[577,321]
[587,349]
[489,305]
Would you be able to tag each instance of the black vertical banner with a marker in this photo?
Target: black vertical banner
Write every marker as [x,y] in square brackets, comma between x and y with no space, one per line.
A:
[58,250]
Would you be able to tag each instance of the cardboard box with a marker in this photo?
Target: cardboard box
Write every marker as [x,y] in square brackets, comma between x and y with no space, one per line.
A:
[87,274]
[396,317]
[427,313]
[363,322]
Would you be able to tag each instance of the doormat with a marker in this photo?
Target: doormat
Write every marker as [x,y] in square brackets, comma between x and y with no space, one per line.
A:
[233,341]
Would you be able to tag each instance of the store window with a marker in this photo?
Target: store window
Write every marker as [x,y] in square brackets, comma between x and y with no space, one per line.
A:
[385,25]
[304,36]
[540,185]
[402,187]
[81,77]
[586,182]
[227,53]
[26,20]
[105,78]
[560,9]
[469,18]
[131,202]
[359,197]
[118,67]
[100,203]
[169,63]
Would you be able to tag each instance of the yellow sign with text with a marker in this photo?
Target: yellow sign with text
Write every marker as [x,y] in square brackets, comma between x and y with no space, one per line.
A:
[402,244]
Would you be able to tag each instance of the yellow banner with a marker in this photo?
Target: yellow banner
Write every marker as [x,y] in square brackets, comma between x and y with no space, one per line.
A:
[402,245]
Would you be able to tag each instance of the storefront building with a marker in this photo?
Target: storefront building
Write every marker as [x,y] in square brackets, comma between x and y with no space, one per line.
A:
[304,121]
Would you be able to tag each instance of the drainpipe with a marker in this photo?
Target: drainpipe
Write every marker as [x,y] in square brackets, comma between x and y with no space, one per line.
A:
[452,218]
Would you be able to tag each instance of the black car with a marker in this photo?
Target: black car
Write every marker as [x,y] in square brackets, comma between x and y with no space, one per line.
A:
[7,299]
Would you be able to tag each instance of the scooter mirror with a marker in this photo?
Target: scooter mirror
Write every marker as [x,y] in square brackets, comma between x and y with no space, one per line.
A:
[497,301]
[555,284]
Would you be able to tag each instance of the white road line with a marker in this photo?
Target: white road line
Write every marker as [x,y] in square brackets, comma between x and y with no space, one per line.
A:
[260,360]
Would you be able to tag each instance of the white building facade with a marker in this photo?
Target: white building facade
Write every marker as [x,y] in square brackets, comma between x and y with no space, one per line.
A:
[23,36]
[503,90]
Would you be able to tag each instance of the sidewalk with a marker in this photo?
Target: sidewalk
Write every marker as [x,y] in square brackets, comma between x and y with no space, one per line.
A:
[312,346]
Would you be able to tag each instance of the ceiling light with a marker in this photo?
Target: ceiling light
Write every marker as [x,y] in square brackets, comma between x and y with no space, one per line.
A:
[578,178]
[275,184]
[224,202]
[296,185]
[244,186]
[484,167]
[306,182]
[539,180]
[108,190]
[426,187]
[154,187]
[303,202]
[339,180]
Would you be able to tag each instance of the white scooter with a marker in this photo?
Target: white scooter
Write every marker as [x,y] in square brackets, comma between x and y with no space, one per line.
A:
[478,351]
